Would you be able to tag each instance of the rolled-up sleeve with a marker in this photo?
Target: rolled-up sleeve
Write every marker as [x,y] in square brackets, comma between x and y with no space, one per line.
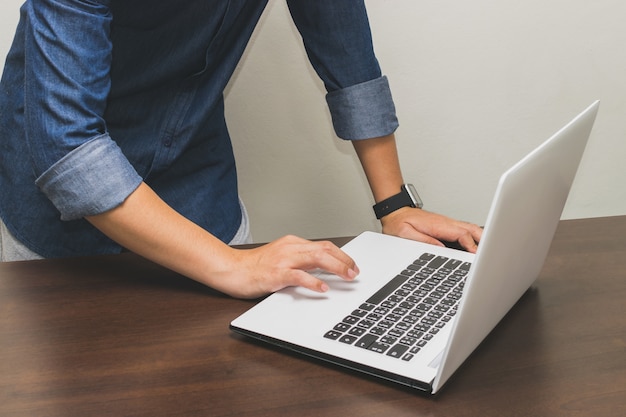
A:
[92,179]
[363,111]
[338,42]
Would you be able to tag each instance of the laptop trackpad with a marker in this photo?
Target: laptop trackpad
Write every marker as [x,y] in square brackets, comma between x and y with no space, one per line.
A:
[435,362]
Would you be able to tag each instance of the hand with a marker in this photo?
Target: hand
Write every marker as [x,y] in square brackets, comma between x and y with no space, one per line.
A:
[427,227]
[283,263]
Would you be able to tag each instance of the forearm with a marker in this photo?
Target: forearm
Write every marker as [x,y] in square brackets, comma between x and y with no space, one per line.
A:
[146,225]
[379,159]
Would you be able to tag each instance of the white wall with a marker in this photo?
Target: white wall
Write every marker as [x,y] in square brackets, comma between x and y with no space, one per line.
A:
[476,84]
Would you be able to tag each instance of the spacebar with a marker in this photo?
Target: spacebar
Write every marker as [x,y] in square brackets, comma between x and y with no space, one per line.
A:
[385,291]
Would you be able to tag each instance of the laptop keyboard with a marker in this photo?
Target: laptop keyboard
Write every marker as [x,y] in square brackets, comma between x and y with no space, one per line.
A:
[405,314]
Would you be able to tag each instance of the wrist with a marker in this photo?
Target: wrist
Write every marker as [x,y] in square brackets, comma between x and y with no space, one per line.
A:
[407,197]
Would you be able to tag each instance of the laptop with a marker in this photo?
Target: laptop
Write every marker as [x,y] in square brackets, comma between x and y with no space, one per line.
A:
[417,311]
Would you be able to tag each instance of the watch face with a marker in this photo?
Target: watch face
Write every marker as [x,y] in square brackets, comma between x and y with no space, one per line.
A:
[412,192]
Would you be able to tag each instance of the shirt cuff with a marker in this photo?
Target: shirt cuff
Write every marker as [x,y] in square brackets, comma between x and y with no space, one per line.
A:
[93,178]
[364,110]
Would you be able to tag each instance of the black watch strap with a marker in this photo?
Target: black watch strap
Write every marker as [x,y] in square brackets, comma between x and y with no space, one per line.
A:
[407,197]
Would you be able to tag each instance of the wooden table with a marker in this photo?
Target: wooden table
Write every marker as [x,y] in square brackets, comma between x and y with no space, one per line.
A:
[120,336]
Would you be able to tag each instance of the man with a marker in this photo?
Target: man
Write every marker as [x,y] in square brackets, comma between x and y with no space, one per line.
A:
[112,136]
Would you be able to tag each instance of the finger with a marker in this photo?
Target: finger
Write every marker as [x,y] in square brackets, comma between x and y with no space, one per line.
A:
[477,232]
[327,256]
[468,243]
[471,237]
[299,278]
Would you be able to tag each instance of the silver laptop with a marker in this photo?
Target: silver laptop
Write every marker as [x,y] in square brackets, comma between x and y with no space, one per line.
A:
[417,311]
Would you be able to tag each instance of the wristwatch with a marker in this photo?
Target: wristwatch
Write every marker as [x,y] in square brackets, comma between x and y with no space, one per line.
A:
[407,197]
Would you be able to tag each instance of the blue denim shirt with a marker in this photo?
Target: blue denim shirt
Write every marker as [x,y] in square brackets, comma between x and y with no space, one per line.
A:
[99,95]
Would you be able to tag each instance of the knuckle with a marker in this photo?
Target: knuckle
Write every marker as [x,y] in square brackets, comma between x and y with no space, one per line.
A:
[327,246]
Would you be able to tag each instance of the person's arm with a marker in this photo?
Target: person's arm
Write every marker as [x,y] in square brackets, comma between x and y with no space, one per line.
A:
[84,173]
[379,159]
[146,225]
[337,38]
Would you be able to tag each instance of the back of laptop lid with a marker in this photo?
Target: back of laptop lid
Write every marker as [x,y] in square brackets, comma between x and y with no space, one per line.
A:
[518,233]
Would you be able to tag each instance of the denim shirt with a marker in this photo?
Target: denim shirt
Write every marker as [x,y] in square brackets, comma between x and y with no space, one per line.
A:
[99,95]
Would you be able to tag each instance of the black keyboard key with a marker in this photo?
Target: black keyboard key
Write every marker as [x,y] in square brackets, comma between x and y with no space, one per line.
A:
[332,334]
[397,351]
[366,324]
[417,313]
[396,333]
[401,293]
[420,293]
[430,301]
[438,262]
[435,314]
[378,331]
[385,324]
[395,298]
[381,310]
[400,311]
[409,341]
[393,317]
[415,334]
[342,327]
[374,317]
[449,301]
[465,266]
[357,331]
[446,284]
[453,264]
[387,290]
[388,340]
[367,306]
[426,272]
[421,327]
[378,347]
[424,307]
[442,289]
[426,257]
[349,339]
[429,321]
[437,294]
[403,326]
[366,341]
